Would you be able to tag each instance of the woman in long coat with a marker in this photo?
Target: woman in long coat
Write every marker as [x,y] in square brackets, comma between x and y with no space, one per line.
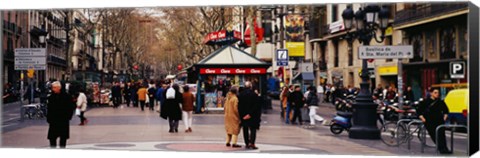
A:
[172,110]
[232,118]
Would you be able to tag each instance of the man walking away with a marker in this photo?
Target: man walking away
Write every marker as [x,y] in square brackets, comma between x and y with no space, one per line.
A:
[142,97]
[116,94]
[321,93]
[60,111]
[151,95]
[82,106]
[160,94]
[249,109]
[296,100]
[127,94]
[187,108]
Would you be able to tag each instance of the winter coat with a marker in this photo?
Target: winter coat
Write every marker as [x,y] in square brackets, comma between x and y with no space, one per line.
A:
[171,109]
[312,99]
[232,118]
[159,96]
[249,104]
[296,99]
[60,111]
[82,101]
[188,100]
[433,111]
[142,94]
[127,92]
[116,91]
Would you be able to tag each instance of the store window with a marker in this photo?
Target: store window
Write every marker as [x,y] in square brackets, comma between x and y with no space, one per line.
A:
[463,40]
[447,43]
[417,41]
[431,44]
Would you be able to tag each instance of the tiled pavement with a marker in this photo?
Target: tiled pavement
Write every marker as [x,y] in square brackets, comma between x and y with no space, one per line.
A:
[129,128]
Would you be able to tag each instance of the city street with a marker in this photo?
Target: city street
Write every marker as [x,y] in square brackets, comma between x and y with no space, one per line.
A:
[128,128]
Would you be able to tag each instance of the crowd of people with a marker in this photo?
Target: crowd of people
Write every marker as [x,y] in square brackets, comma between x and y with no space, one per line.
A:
[294,102]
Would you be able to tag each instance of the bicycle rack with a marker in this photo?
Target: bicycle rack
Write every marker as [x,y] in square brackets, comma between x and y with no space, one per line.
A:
[398,125]
[451,134]
[413,122]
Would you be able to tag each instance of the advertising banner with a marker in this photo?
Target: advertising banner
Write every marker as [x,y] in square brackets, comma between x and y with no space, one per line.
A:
[294,30]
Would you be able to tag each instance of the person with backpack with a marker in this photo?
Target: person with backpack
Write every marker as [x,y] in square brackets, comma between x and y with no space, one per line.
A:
[171,110]
[151,95]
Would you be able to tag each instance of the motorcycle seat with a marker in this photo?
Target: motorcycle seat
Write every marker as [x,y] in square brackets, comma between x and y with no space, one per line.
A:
[344,114]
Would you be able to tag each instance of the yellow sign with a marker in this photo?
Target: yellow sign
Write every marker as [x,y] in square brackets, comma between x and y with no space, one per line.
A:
[389,31]
[21,75]
[296,49]
[30,73]
[388,70]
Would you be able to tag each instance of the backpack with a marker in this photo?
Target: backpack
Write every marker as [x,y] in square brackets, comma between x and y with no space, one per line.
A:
[170,93]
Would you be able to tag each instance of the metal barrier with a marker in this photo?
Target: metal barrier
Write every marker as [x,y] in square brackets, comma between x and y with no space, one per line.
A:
[398,126]
[417,123]
[451,136]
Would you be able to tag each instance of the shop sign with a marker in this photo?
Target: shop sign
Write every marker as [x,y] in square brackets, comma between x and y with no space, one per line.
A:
[233,71]
[388,70]
[336,26]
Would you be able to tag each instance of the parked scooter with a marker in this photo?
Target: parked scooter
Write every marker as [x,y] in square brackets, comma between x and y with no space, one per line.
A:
[342,121]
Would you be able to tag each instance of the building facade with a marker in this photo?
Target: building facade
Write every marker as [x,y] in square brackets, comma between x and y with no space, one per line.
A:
[15,25]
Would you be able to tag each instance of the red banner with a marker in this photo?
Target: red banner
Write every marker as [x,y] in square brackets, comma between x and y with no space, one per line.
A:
[233,71]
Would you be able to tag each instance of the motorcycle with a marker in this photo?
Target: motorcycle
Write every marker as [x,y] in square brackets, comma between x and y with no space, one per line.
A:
[342,121]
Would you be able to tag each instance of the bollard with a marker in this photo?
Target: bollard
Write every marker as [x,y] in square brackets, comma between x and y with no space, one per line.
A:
[415,121]
[398,125]
[451,138]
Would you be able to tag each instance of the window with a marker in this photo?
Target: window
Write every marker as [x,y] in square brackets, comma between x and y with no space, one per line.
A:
[334,12]
[447,43]
[431,43]
[350,55]
[417,41]
[463,40]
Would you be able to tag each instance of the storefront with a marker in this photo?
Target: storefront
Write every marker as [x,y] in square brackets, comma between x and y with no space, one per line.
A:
[388,75]
[224,68]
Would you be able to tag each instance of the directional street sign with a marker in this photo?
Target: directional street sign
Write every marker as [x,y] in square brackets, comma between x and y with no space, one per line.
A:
[30,52]
[30,58]
[385,52]
[282,57]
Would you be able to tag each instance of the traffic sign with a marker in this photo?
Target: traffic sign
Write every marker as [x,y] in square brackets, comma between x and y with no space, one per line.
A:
[26,67]
[457,70]
[30,73]
[30,60]
[29,52]
[385,52]
[282,57]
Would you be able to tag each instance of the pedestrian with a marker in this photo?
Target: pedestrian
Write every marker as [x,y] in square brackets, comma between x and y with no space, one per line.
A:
[160,94]
[333,94]
[328,93]
[134,94]
[289,105]
[378,91]
[82,106]
[296,100]
[171,110]
[312,102]
[60,108]
[409,94]
[116,94]
[232,118]
[249,110]
[283,101]
[127,93]
[142,96]
[320,93]
[434,112]
[151,95]
[187,108]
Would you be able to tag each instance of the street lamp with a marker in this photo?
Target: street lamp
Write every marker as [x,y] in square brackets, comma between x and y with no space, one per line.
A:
[365,115]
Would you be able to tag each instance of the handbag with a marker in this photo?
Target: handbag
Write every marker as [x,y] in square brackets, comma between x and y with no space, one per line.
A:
[77,112]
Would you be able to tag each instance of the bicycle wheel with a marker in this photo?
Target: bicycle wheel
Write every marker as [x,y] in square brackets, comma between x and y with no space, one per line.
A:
[391,134]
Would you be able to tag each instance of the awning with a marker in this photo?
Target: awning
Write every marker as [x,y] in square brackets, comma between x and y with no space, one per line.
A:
[306,76]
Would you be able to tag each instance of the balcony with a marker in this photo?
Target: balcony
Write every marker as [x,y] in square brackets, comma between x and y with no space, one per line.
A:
[427,11]
[57,61]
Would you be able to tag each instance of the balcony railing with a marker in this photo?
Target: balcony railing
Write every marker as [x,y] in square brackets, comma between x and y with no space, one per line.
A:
[427,11]
[56,60]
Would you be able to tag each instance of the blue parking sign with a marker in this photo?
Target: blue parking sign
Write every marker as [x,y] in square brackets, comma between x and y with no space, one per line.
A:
[282,57]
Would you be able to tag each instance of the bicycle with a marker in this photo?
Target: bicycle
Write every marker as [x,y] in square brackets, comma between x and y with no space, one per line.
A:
[35,111]
[396,131]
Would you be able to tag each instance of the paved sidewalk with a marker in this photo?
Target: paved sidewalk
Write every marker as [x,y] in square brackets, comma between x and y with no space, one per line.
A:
[129,128]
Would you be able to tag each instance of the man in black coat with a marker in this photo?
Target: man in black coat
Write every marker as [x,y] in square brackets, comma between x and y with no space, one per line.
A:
[127,94]
[297,101]
[434,112]
[249,109]
[60,111]
[116,95]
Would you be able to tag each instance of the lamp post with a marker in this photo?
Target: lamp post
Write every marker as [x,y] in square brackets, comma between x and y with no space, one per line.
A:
[365,115]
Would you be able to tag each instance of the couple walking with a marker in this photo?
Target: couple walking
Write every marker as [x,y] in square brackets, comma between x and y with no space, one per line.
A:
[242,112]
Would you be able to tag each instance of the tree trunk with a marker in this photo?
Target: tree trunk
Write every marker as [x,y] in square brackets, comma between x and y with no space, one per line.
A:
[253,37]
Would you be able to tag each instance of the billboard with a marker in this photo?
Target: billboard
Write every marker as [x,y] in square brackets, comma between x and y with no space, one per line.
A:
[295,40]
